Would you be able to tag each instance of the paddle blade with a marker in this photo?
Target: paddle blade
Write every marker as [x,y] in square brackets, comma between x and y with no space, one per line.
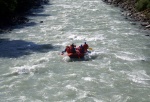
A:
[90,48]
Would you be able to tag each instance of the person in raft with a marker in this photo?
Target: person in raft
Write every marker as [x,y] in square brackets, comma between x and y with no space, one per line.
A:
[72,48]
[85,46]
[81,49]
[67,49]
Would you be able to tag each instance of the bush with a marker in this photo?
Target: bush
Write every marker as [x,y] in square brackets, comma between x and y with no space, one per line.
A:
[142,4]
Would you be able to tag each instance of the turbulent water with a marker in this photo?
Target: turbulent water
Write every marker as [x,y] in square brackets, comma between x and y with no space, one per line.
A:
[116,70]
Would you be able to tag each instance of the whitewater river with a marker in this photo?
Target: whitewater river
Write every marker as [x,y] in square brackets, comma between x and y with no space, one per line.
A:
[117,70]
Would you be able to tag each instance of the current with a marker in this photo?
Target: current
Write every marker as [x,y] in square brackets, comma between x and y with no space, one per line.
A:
[32,68]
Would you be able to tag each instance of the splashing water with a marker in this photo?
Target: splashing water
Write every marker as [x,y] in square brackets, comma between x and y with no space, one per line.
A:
[116,70]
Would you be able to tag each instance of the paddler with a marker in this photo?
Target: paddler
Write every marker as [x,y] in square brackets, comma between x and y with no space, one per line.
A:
[72,48]
[81,49]
[66,50]
[85,46]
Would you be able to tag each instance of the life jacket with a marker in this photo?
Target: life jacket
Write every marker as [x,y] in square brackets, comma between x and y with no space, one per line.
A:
[68,50]
[85,46]
[72,49]
[81,49]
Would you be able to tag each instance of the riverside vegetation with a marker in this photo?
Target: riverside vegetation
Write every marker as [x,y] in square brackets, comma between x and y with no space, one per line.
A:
[13,11]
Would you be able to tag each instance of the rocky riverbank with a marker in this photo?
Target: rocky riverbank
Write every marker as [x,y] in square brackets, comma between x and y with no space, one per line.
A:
[130,12]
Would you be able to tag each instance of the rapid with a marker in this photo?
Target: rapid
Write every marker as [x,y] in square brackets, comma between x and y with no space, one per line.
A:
[33,69]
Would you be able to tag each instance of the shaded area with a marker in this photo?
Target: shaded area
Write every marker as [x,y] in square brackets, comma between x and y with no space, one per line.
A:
[10,9]
[35,14]
[24,25]
[29,22]
[19,15]
[18,48]
[23,22]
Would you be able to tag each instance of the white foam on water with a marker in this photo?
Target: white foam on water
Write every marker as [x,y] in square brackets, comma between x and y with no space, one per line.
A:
[99,37]
[87,57]
[21,31]
[41,60]
[92,65]
[139,77]
[28,69]
[82,94]
[23,98]
[96,100]
[94,54]
[56,27]
[73,75]
[72,36]
[25,69]
[87,78]
[99,78]
[128,56]
[67,59]
[64,44]
[71,87]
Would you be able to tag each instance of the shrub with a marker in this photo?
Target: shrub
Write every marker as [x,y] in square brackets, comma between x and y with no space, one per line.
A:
[142,4]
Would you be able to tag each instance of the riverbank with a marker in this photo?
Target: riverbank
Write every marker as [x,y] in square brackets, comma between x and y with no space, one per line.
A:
[15,12]
[130,12]
[16,20]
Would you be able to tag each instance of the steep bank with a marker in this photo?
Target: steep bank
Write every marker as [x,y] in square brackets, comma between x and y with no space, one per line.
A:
[14,12]
[132,9]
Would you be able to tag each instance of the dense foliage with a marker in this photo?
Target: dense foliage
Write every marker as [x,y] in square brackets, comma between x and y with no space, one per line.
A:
[142,5]
[10,8]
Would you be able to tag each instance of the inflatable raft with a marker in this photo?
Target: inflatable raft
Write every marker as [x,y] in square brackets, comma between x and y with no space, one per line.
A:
[76,55]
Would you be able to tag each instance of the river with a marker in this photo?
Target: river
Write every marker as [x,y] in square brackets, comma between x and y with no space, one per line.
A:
[116,70]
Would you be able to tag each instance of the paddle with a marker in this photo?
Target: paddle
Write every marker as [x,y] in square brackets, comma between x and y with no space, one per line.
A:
[90,48]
